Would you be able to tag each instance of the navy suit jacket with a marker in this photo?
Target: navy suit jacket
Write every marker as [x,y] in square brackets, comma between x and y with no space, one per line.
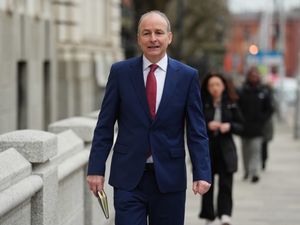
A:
[125,101]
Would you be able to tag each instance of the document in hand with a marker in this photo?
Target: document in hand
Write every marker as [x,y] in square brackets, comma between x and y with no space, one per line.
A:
[102,199]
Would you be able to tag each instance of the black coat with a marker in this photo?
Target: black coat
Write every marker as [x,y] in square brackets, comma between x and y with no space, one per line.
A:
[256,106]
[222,147]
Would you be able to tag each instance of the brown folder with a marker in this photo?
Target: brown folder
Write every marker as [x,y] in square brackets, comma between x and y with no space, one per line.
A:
[102,199]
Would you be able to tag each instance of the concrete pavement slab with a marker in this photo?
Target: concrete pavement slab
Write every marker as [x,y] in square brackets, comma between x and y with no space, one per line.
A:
[275,199]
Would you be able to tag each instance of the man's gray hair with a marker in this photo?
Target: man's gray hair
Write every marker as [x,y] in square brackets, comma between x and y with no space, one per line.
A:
[156,12]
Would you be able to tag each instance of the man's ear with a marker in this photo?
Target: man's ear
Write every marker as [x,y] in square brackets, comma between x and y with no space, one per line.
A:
[170,36]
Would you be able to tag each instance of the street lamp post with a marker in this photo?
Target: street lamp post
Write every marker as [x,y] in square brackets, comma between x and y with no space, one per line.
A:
[297,110]
[281,47]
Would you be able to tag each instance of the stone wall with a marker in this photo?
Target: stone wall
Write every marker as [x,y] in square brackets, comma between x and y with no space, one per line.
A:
[27,65]
[55,58]
[43,176]
[88,35]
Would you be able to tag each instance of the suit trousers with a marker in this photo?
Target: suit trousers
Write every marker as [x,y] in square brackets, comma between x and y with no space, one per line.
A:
[147,205]
[224,198]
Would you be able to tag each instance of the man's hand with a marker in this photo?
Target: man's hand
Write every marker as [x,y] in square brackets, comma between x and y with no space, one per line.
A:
[96,183]
[200,187]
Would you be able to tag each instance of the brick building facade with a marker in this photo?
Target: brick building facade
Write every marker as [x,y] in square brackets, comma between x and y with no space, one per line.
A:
[245,31]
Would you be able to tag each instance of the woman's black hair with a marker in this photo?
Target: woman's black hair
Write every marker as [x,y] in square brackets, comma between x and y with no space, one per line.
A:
[229,90]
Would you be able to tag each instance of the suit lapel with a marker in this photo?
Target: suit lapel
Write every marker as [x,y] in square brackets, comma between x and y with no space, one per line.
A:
[139,85]
[137,78]
[169,86]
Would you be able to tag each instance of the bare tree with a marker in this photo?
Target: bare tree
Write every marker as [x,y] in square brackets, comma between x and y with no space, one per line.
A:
[199,28]
[203,32]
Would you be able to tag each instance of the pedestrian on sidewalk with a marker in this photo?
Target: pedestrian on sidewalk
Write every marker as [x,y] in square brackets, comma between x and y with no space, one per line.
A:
[255,102]
[268,130]
[154,99]
[223,119]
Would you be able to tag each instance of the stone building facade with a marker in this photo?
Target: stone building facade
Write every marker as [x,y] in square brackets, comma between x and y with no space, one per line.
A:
[54,58]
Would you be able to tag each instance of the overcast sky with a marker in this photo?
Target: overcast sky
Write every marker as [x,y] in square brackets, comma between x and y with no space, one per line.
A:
[259,5]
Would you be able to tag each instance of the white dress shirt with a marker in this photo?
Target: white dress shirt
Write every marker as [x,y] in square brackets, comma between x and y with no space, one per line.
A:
[160,75]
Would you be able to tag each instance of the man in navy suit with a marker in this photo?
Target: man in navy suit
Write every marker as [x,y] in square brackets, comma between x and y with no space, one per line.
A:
[152,98]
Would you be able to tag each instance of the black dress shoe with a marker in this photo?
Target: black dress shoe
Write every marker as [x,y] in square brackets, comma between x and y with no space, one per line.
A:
[255,179]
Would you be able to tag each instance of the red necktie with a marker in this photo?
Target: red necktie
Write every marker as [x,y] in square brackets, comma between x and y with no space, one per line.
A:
[151,90]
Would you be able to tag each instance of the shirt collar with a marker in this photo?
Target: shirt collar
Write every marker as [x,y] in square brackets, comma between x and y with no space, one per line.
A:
[163,63]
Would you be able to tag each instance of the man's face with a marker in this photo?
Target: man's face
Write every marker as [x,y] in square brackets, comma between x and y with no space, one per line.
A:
[154,37]
[254,77]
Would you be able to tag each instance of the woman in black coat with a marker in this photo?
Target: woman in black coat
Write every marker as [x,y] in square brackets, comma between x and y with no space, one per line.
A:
[223,118]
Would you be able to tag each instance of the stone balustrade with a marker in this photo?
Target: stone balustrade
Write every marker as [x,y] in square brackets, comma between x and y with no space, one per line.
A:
[43,176]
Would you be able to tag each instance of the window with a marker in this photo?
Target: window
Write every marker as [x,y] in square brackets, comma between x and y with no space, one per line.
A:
[22,95]
[47,94]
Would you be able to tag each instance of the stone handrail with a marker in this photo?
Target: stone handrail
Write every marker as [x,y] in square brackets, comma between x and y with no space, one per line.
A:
[43,176]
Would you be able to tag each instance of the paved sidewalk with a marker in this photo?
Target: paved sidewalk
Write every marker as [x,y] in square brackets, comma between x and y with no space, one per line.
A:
[275,200]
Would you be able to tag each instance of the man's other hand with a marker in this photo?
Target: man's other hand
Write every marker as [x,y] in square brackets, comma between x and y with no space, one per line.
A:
[200,187]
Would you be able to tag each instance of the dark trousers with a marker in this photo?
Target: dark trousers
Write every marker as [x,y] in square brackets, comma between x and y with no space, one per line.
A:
[147,205]
[224,201]
[264,153]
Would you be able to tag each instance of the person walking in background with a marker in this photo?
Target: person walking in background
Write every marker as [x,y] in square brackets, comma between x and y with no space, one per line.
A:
[255,102]
[223,118]
[268,130]
[152,97]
